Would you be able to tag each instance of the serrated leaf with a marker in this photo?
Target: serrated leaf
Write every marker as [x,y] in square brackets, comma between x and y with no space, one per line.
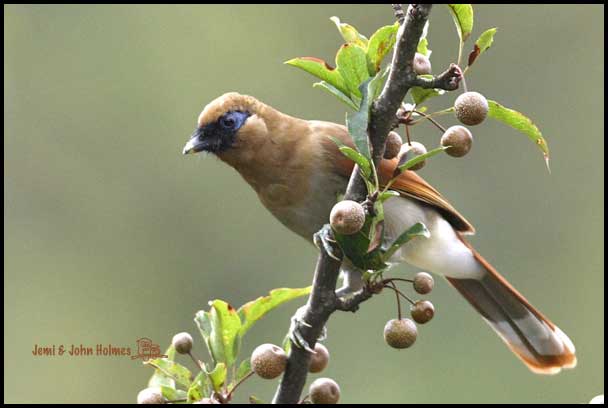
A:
[417,230]
[380,44]
[253,311]
[335,92]
[159,378]
[357,122]
[463,19]
[484,42]
[406,163]
[321,70]
[520,122]
[350,33]
[176,371]
[199,388]
[217,376]
[351,63]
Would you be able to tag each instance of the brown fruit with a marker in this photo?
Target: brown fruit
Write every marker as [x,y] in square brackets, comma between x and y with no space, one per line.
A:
[401,333]
[393,145]
[422,311]
[459,139]
[471,108]
[150,396]
[268,361]
[422,65]
[324,391]
[423,283]
[182,342]
[409,151]
[319,360]
[347,217]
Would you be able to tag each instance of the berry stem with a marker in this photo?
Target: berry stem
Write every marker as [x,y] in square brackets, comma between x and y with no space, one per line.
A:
[398,300]
[242,380]
[433,121]
[196,361]
[407,134]
[401,293]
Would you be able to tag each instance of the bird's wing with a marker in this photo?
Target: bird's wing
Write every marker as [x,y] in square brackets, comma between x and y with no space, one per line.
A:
[408,184]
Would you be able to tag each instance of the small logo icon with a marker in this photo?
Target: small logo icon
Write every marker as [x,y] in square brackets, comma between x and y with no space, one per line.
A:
[146,350]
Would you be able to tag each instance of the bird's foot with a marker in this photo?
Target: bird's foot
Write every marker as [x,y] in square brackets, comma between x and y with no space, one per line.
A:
[296,327]
[324,237]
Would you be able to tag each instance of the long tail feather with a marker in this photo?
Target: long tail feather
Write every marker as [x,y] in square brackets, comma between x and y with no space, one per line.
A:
[539,343]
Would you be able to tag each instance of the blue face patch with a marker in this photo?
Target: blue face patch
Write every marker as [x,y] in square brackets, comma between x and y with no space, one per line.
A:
[220,135]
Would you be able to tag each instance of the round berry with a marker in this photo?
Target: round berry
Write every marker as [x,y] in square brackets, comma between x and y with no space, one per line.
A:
[324,391]
[347,217]
[268,361]
[182,342]
[410,151]
[423,283]
[459,140]
[150,396]
[471,108]
[422,311]
[400,333]
[422,64]
[319,360]
[393,145]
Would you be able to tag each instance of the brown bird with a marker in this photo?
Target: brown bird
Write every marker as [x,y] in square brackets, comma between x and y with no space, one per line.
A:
[297,172]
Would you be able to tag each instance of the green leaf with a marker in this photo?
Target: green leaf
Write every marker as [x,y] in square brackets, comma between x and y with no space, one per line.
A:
[357,122]
[388,194]
[321,70]
[420,95]
[417,230]
[401,167]
[244,370]
[350,33]
[377,83]
[364,164]
[356,248]
[217,376]
[225,332]
[253,311]
[351,63]
[176,371]
[484,42]
[335,92]
[255,400]
[287,341]
[380,44]
[171,394]
[203,321]
[463,18]
[159,378]
[520,122]
[199,388]
[423,44]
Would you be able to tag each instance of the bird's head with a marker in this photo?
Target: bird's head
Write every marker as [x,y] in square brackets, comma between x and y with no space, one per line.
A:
[229,122]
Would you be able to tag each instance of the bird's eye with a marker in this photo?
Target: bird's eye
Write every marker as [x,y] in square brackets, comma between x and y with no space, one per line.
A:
[227,122]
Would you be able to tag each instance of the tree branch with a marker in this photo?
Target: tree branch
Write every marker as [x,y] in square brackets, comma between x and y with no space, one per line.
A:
[323,300]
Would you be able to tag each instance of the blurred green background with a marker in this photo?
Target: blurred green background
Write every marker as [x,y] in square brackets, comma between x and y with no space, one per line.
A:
[110,234]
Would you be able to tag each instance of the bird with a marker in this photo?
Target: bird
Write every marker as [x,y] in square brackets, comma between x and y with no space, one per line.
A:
[298,172]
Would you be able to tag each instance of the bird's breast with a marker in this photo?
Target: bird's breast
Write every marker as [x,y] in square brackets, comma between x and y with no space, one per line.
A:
[303,206]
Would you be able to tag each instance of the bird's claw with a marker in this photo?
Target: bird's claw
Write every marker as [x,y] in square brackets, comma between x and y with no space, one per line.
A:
[324,238]
[295,334]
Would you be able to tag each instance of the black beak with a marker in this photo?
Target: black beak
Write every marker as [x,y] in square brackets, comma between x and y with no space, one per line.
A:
[195,144]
